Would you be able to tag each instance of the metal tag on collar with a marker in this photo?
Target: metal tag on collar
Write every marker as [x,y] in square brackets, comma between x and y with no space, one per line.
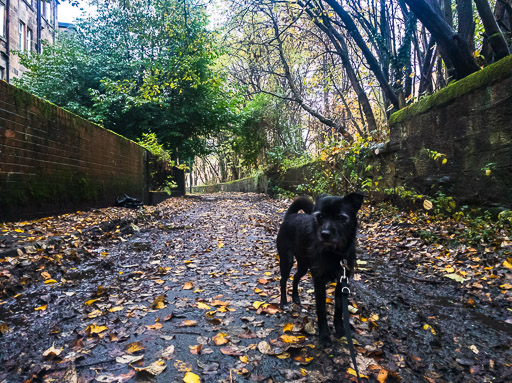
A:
[344,266]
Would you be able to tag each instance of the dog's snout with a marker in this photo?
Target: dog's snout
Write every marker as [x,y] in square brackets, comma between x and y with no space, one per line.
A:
[326,234]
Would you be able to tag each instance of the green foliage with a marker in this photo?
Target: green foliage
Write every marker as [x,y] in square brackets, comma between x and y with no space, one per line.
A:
[138,67]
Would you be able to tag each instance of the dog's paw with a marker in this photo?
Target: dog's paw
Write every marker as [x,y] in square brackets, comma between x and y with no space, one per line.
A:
[340,332]
[325,339]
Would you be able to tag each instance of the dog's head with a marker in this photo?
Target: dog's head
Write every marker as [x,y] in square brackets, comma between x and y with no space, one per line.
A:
[336,219]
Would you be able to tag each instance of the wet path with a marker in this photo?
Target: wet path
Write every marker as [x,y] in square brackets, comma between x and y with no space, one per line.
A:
[191,287]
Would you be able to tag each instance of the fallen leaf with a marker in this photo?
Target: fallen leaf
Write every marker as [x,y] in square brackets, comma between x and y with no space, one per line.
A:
[428,327]
[116,308]
[109,378]
[125,359]
[288,327]
[257,304]
[190,377]
[232,351]
[156,326]
[90,302]
[220,339]
[383,376]
[182,366]
[351,371]
[203,306]
[456,277]
[168,353]
[49,281]
[264,347]
[134,347]
[195,349]
[155,368]
[41,308]
[94,329]
[188,286]
[187,323]
[158,303]
[52,351]
[94,314]
[46,275]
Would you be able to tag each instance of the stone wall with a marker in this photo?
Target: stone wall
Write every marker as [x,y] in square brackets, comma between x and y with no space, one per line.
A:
[52,160]
[469,123]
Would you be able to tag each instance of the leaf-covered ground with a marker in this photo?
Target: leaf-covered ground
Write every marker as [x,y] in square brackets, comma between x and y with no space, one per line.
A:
[188,290]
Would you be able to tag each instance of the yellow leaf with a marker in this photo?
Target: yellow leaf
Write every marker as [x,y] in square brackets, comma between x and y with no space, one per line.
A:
[244,359]
[188,286]
[257,304]
[303,371]
[291,338]
[158,303]
[428,327]
[196,349]
[190,377]
[508,263]
[156,326]
[284,355]
[46,275]
[41,308]
[3,328]
[257,291]
[488,172]
[352,372]
[444,161]
[506,286]
[116,308]
[203,306]
[220,339]
[94,329]
[94,314]
[91,301]
[288,327]
[134,347]
[449,269]
[220,245]
[48,281]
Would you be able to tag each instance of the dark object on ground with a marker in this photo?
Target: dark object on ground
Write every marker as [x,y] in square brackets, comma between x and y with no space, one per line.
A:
[126,201]
[320,240]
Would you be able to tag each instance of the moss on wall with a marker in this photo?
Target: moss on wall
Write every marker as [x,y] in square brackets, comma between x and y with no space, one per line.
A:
[483,78]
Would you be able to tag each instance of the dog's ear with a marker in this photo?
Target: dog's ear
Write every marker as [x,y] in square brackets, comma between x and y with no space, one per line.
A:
[355,199]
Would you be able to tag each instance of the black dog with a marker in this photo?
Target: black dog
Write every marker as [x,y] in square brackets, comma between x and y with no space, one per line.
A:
[320,240]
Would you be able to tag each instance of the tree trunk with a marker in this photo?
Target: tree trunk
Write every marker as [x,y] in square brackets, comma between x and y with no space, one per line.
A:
[466,27]
[496,39]
[342,50]
[453,46]
[361,43]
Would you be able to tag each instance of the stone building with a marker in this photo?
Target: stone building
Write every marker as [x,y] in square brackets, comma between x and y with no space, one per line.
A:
[24,24]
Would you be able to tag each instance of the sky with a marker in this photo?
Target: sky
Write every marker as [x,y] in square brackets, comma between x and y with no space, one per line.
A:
[67,13]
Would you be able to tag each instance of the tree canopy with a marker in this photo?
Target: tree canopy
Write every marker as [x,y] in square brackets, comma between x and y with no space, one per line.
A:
[267,78]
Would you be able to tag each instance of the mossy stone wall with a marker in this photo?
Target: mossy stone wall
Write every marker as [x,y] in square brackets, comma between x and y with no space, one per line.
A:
[52,161]
[470,124]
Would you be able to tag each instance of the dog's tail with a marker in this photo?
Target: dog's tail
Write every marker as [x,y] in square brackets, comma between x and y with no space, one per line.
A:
[301,203]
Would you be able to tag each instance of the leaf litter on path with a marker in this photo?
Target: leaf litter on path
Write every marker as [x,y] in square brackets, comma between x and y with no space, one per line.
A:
[195,280]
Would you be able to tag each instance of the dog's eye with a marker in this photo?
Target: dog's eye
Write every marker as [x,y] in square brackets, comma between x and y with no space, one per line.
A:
[343,217]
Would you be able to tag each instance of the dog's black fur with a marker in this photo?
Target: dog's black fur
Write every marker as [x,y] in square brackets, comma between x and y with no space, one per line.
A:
[320,239]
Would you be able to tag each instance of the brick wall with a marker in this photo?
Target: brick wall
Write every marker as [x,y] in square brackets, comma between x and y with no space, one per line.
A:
[53,161]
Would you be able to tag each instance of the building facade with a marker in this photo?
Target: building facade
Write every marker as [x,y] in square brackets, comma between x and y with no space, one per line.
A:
[24,24]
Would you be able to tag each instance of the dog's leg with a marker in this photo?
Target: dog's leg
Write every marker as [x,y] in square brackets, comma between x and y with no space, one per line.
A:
[301,271]
[338,312]
[285,266]
[321,313]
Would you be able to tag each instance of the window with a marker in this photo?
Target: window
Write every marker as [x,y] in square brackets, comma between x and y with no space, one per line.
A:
[28,45]
[46,10]
[22,37]
[2,19]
